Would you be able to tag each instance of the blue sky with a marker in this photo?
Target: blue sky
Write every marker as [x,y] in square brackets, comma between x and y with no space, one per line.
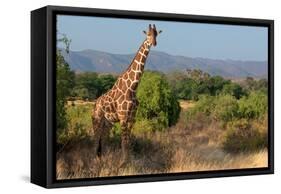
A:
[124,36]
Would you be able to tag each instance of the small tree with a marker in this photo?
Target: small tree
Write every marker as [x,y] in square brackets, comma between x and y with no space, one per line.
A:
[106,82]
[233,89]
[87,85]
[64,83]
[157,102]
[215,84]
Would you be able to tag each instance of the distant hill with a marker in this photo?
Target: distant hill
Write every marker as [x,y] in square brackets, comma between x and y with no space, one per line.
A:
[92,60]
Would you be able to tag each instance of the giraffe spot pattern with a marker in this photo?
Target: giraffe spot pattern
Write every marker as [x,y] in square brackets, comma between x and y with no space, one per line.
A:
[132,75]
[120,100]
[125,76]
[138,57]
[134,85]
[123,86]
[129,95]
[124,105]
[129,82]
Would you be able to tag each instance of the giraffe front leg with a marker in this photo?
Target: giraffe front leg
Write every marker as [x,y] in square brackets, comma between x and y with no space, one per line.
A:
[125,142]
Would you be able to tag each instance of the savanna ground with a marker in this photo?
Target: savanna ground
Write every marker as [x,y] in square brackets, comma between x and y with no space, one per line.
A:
[183,147]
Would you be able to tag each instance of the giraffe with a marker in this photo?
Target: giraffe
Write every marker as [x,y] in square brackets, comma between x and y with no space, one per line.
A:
[119,103]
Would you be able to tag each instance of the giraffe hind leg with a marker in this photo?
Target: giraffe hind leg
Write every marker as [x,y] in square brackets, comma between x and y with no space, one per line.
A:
[96,137]
[99,147]
[101,137]
[104,140]
[96,142]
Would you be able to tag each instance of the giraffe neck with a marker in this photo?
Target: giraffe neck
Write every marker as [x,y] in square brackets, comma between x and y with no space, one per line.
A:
[129,80]
[139,60]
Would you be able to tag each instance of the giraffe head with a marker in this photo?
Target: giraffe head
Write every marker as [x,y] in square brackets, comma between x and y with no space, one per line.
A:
[151,34]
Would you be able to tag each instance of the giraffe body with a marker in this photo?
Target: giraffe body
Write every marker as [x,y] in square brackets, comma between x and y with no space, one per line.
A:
[119,103]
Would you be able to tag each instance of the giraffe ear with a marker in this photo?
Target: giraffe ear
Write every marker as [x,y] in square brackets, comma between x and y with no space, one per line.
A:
[159,32]
[144,32]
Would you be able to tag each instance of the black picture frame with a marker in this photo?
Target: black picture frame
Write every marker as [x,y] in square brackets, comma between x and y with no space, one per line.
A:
[43,52]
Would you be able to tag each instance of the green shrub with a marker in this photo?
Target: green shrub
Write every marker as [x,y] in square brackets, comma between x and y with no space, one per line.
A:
[187,89]
[198,117]
[106,81]
[253,106]
[80,93]
[157,102]
[205,105]
[216,84]
[91,85]
[242,136]
[79,123]
[145,126]
[115,134]
[225,108]
[219,108]
[233,89]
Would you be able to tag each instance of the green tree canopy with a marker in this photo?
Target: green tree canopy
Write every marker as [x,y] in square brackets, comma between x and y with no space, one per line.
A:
[233,89]
[64,84]
[157,101]
[91,85]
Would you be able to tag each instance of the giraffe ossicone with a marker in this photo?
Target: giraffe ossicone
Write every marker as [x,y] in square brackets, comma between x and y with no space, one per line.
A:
[119,103]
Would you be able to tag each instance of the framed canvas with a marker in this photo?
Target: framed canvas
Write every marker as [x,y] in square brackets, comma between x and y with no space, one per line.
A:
[126,96]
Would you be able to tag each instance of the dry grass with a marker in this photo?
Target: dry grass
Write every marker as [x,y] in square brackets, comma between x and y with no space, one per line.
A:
[76,161]
[186,104]
[178,149]
[215,159]
[164,156]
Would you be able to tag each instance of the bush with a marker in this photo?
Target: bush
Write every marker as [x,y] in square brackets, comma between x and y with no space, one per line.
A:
[220,108]
[145,126]
[115,134]
[244,120]
[216,84]
[204,105]
[187,89]
[79,123]
[91,85]
[254,106]
[233,89]
[157,102]
[225,109]
[106,82]
[86,85]
[81,93]
[241,136]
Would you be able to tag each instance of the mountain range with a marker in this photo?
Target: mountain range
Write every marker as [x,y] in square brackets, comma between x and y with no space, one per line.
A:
[98,61]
